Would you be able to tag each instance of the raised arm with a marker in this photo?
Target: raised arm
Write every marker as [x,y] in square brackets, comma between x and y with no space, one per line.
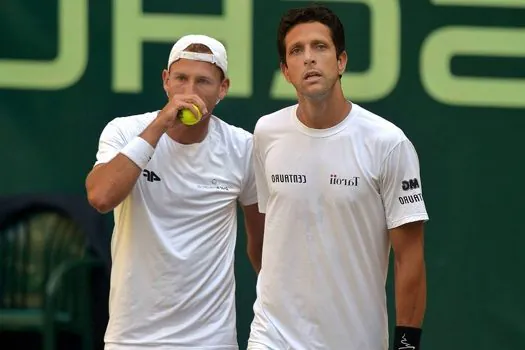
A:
[120,161]
[119,164]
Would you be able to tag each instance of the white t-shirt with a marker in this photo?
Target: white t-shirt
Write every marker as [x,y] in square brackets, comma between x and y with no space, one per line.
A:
[172,279]
[330,196]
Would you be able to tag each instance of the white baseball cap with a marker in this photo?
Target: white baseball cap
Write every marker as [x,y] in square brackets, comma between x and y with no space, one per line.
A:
[218,51]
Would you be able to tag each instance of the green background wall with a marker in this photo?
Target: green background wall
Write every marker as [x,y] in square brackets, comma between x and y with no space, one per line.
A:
[451,73]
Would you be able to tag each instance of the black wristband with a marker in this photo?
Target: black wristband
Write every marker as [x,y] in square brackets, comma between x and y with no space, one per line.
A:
[407,338]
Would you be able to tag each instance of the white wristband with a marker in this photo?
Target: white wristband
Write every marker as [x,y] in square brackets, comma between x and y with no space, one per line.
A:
[139,151]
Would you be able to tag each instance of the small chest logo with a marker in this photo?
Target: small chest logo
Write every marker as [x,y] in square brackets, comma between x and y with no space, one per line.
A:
[150,175]
[215,184]
[350,181]
[289,178]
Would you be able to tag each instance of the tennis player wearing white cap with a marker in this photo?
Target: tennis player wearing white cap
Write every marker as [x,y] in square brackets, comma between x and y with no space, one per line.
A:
[174,190]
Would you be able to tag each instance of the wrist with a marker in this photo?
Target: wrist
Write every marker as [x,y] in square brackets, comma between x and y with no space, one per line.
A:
[163,121]
[139,151]
[407,338]
[154,131]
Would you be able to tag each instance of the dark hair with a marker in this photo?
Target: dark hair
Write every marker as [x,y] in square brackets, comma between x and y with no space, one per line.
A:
[312,13]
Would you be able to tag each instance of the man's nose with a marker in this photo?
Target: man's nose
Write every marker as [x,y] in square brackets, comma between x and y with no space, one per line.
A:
[189,87]
[309,58]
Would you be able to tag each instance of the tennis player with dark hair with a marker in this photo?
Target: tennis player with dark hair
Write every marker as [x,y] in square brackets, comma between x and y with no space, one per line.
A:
[340,186]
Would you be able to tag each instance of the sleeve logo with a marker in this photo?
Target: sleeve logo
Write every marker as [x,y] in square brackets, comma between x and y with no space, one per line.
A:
[411,184]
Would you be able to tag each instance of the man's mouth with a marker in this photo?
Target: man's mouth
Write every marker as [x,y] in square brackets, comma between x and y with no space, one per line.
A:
[311,75]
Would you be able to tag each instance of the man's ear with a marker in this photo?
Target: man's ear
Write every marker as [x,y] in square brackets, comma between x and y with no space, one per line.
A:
[284,70]
[165,78]
[342,60]
[223,90]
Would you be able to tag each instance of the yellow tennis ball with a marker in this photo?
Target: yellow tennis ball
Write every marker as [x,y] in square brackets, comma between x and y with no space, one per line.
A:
[187,117]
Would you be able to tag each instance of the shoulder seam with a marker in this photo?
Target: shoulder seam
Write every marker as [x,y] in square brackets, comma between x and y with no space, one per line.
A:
[390,152]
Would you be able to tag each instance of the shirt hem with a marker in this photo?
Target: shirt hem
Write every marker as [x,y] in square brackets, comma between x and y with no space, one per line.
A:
[251,201]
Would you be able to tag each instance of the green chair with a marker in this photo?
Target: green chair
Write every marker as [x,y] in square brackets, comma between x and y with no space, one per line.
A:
[45,276]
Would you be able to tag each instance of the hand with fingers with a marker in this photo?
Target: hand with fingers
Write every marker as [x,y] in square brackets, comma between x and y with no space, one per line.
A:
[183,109]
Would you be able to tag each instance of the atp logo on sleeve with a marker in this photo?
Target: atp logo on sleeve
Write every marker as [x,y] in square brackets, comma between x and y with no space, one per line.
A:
[411,184]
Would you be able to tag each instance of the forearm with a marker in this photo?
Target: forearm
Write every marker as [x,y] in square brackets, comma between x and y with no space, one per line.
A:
[254,225]
[255,254]
[410,290]
[109,184]
[154,132]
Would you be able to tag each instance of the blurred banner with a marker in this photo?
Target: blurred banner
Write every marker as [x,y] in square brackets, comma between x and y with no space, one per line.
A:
[450,73]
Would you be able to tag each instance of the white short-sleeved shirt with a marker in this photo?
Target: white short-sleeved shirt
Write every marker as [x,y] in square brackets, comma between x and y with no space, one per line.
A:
[172,279]
[330,196]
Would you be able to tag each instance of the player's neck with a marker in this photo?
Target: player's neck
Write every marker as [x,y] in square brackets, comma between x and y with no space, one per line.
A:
[325,112]
[189,135]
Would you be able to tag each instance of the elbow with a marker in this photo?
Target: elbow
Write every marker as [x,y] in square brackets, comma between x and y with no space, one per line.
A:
[100,201]
[410,262]
[252,254]
[99,193]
